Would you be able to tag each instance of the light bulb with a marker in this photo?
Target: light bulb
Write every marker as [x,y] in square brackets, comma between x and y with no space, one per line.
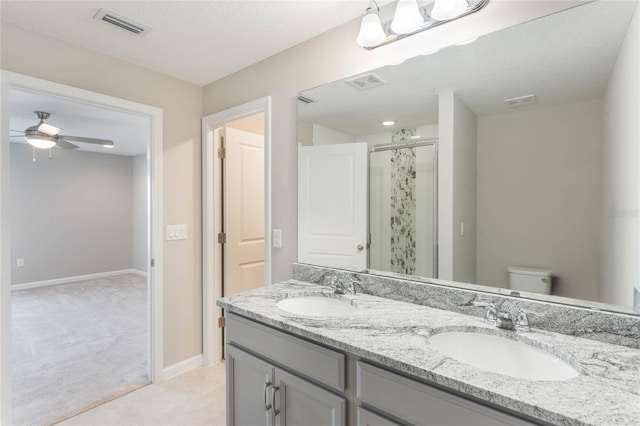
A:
[407,18]
[41,142]
[443,10]
[371,32]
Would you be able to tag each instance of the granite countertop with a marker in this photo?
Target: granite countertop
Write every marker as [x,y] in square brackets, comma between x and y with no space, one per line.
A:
[395,334]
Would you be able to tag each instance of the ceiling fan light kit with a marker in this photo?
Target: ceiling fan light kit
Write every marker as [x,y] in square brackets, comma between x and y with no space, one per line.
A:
[410,19]
[46,136]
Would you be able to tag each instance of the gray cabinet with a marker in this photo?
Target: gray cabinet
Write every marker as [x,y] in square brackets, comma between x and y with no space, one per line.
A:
[369,418]
[416,403]
[248,382]
[276,379]
[299,402]
[269,391]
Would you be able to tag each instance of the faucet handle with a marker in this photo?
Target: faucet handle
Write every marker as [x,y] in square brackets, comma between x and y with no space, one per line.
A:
[490,313]
[522,319]
[354,282]
[332,279]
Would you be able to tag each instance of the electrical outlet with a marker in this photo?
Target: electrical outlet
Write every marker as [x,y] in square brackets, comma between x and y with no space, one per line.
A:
[20,263]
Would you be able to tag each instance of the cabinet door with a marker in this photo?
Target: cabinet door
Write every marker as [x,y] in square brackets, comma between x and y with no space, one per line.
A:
[301,403]
[369,418]
[249,382]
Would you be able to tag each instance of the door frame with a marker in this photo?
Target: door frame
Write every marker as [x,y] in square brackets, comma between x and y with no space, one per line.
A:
[211,219]
[11,80]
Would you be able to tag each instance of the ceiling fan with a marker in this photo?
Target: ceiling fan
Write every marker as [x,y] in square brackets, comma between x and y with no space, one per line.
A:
[45,136]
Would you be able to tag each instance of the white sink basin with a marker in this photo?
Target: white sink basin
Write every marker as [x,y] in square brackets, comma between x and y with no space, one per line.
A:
[501,355]
[316,306]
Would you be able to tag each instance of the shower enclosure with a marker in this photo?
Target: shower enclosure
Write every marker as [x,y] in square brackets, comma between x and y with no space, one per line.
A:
[403,208]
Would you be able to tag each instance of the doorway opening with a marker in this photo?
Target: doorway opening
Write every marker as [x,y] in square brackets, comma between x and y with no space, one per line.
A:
[68,290]
[236,203]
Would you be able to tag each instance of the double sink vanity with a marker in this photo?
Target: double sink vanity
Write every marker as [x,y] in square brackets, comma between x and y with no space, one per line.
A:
[338,347]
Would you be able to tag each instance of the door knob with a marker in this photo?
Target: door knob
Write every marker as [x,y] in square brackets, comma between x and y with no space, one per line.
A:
[360,247]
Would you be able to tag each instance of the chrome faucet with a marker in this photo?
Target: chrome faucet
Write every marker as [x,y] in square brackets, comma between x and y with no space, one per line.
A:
[505,320]
[522,320]
[490,312]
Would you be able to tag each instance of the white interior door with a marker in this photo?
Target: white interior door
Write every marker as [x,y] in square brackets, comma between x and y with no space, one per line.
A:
[243,211]
[332,205]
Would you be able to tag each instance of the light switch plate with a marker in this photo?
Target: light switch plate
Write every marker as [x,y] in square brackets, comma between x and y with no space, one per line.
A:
[277,238]
[176,232]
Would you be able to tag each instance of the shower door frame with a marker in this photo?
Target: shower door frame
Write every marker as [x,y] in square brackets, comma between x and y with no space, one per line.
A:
[403,145]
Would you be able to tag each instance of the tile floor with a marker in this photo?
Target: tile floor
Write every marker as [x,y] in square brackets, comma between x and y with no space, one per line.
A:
[194,398]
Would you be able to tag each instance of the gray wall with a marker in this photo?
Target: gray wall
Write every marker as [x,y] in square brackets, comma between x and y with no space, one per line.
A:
[539,205]
[140,212]
[181,105]
[621,188]
[71,215]
[465,147]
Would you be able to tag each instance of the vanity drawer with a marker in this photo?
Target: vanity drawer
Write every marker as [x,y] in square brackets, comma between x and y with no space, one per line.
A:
[420,404]
[369,418]
[316,362]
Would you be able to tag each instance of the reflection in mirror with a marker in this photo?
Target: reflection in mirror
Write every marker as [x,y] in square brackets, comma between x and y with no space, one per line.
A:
[535,182]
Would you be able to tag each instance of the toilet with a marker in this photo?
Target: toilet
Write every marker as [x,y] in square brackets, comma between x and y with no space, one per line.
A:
[530,279]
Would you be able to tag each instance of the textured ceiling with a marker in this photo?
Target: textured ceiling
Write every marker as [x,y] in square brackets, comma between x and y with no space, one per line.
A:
[565,57]
[129,132]
[195,41]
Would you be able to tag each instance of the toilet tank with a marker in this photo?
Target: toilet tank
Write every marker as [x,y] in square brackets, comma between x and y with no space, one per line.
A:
[530,279]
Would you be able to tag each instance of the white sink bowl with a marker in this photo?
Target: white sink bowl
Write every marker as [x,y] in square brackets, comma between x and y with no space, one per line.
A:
[316,306]
[502,355]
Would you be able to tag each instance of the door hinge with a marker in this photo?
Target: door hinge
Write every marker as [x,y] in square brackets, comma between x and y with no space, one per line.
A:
[153,263]
[222,238]
[222,322]
[222,151]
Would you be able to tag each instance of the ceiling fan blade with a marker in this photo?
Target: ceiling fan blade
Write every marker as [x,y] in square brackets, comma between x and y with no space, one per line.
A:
[66,145]
[16,138]
[48,129]
[86,140]
[17,131]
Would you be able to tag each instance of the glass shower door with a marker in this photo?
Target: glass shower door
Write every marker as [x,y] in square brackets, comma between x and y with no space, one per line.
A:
[402,209]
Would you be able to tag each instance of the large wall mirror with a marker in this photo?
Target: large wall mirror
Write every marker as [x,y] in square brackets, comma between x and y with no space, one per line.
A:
[509,162]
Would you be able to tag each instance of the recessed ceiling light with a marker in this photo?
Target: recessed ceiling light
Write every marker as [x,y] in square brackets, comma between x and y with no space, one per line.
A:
[388,123]
[108,146]
[414,137]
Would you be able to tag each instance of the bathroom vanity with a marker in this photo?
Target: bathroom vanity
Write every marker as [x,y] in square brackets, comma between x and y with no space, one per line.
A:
[375,365]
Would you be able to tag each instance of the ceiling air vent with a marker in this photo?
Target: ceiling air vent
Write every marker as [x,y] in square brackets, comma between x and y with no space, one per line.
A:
[305,99]
[365,82]
[520,101]
[121,22]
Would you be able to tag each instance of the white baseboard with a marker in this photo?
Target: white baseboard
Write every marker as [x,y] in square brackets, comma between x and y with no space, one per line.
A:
[182,367]
[139,272]
[35,284]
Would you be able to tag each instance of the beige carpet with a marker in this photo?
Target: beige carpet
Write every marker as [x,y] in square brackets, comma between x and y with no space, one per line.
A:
[77,345]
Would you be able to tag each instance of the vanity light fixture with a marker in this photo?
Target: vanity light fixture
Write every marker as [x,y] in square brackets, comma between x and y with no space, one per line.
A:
[388,123]
[444,10]
[407,18]
[410,18]
[371,32]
